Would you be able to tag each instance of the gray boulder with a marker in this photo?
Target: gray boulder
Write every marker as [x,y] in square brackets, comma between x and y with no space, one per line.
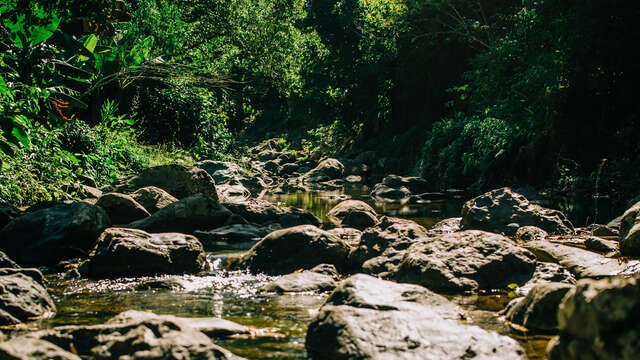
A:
[630,243]
[384,193]
[539,309]
[546,272]
[369,318]
[47,236]
[135,335]
[354,214]
[153,198]
[465,261]
[328,169]
[350,235]
[598,320]
[23,299]
[416,185]
[121,208]
[121,252]
[178,180]
[300,247]
[24,348]
[196,212]
[628,219]
[222,172]
[530,233]
[381,248]
[504,211]
[305,281]
[599,244]
[446,226]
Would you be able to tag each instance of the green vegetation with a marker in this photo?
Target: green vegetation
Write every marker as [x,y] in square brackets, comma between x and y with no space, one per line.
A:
[465,93]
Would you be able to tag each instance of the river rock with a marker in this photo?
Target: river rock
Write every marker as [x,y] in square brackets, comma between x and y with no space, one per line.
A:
[288,169]
[598,320]
[6,262]
[263,212]
[153,198]
[197,212]
[211,326]
[504,211]
[530,233]
[178,180]
[446,226]
[328,169]
[546,272]
[268,155]
[135,338]
[369,318]
[24,348]
[582,263]
[33,273]
[539,309]
[47,236]
[416,185]
[628,219]
[599,244]
[300,247]
[465,261]
[121,252]
[381,248]
[350,235]
[353,213]
[602,230]
[121,208]
[385,193]
[630,243]
[232,237]
[305,281]
[222,172]
[254,184]
[23,299]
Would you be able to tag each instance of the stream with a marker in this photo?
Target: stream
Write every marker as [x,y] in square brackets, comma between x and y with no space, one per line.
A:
[279,321]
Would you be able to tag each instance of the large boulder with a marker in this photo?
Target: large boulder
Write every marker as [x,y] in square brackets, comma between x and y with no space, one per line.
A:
[24,348]
[47,236]
[416,185]
[153,198]
[384,193]
[8,213]
[122,209]
[222,172]
[300,247]
[197,212]
[628,219]
[263,212]
[134,336]
[328,169]
[598,320]
[304,281]
[22,299]
[505,211]
[353,213]
[630,242]
[546,272]
[6,262]
[369,318]
[539,309]
[121,252]
[465,261]
[381,248]
[582,263]
[178,180]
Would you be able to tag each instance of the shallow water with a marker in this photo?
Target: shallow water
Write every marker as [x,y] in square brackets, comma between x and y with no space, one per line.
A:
[279,321]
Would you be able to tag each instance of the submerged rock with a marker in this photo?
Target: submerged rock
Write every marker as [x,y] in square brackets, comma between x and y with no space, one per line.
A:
[354,214]
[153,198]
[300,247]
[23,299]
[539,309]
[504,211]
[178,180]
[465,261]
[369,318]
[47,236]
[263,212]
[385,193]
[122,209]
[196,212]
[598,320]
[135,335]
[121,252]
[232,237]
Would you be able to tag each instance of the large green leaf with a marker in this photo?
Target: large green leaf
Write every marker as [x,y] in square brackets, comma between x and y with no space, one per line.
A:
[90,45]
[21,135]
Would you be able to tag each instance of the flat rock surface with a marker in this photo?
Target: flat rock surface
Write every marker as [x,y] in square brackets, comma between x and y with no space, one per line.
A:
[582,263]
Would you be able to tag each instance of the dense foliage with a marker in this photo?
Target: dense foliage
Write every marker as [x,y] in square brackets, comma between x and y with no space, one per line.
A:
[483,93]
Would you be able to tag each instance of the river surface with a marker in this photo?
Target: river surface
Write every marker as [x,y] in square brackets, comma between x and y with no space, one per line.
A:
[279,321]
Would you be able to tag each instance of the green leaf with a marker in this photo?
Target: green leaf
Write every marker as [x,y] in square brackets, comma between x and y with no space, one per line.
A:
[4,90]
[39,34]
[21,135]
[91,42]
